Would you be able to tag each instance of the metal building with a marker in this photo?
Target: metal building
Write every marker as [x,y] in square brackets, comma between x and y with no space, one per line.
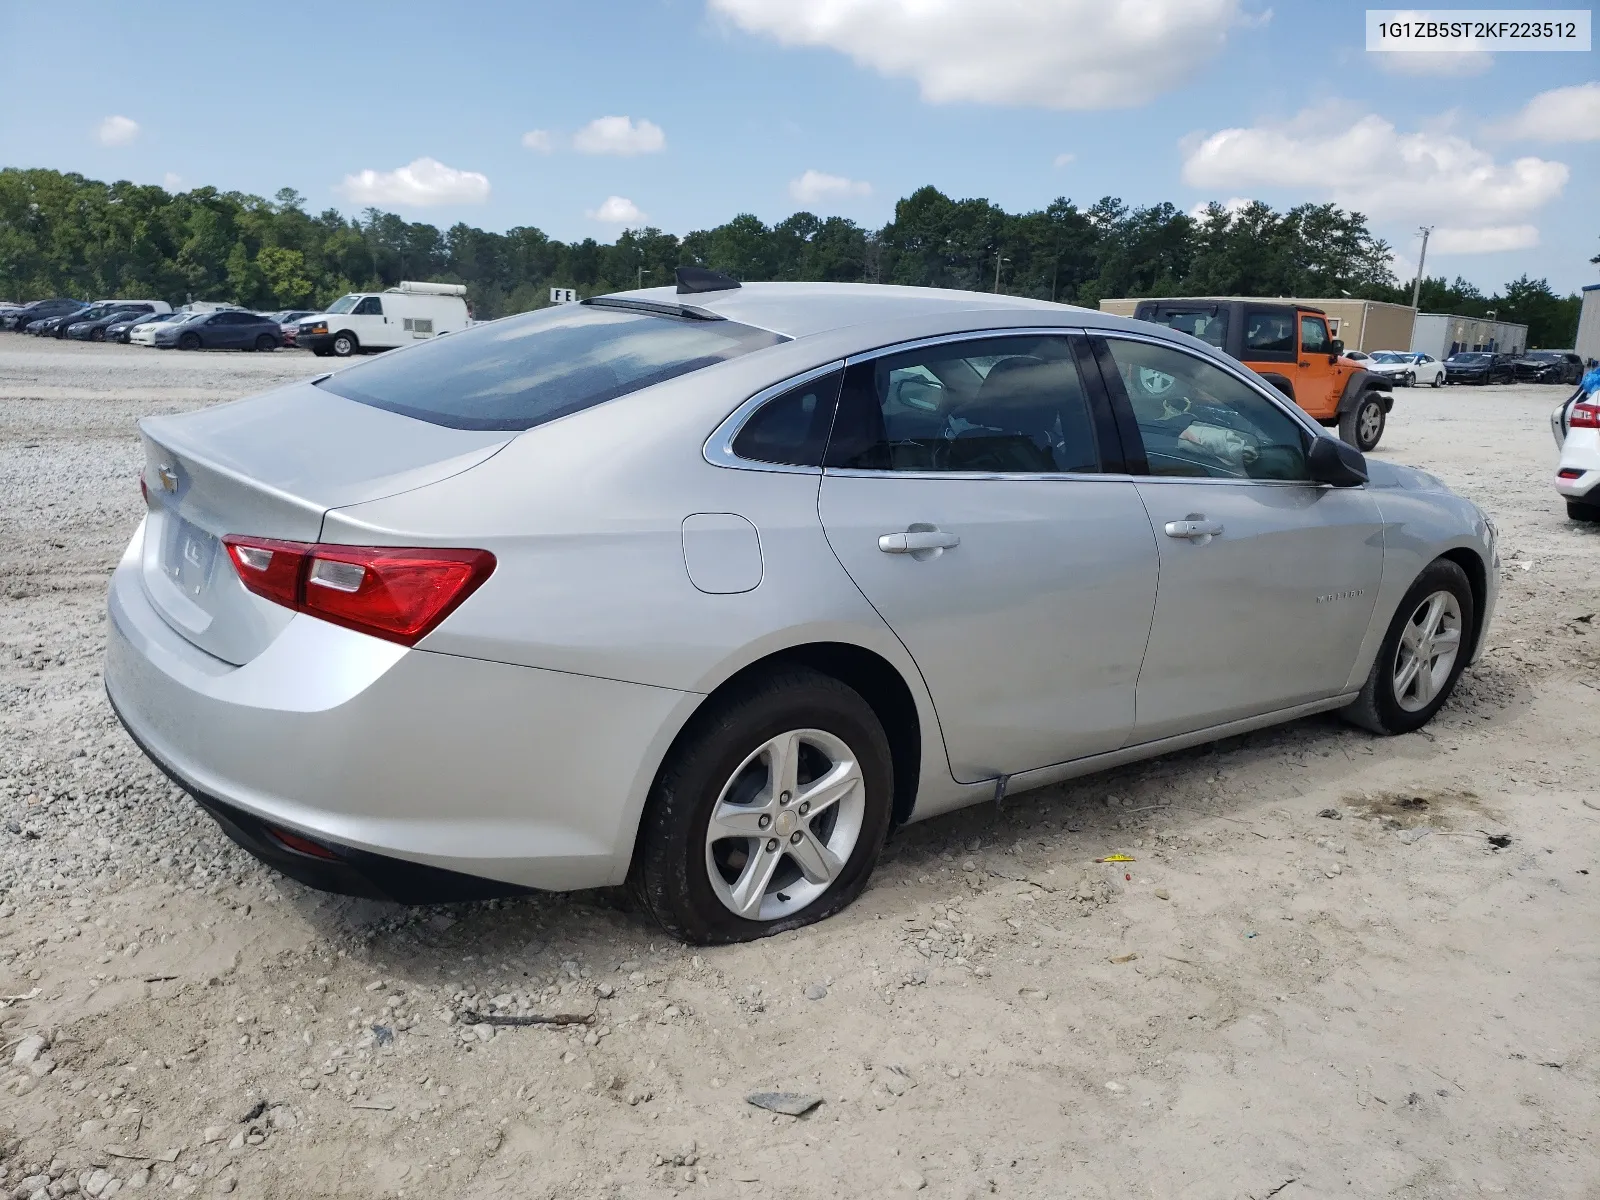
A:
[1588,346]
[1443,334]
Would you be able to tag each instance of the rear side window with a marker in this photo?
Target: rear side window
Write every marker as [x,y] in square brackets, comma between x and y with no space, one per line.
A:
[523,371]
[992,405]
[1269,335]
[792,429]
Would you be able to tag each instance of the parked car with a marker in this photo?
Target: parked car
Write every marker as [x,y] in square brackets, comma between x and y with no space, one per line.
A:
[1407,367]
[1548,366]
[1289,346]
[90,325]
[232,329]
[705,590]
[1576,426]
[144,334]
[40,310]
[1478,366]
[1359,356]
[289,323]
[120,329]
[412,312]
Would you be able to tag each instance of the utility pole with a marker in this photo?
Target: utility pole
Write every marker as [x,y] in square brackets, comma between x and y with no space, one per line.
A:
[642,273]
[999,258]
[1416,286]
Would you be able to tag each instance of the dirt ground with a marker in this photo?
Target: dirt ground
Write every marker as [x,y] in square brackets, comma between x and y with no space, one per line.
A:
[1398,999]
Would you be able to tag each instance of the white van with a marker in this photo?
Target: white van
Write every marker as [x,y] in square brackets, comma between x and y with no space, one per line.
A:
[412,312]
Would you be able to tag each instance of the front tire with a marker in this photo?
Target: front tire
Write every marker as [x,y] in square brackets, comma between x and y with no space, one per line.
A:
[97,335]
[1362,426]
[189,341]
[344,345]
[1422,656]
[769,814]
[1410,380]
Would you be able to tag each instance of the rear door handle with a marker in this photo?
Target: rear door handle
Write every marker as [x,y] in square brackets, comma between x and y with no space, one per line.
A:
[919,542]
[1196,529]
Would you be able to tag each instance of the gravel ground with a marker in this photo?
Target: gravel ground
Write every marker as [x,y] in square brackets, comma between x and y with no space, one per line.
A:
[1394,999]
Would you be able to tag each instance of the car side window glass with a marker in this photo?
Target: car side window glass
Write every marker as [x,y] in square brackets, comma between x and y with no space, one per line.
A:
[1268,332]
[1010,405]
[370,306]
[1314,336]
[791,429]
[1199,421]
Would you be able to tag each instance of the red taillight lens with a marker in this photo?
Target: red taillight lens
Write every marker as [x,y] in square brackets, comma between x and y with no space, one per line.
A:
[269,568]
[1584,415]
[388,592]
[397,594]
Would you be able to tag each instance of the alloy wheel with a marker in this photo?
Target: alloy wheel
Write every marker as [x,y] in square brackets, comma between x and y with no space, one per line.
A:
[1427,651]
[785,824]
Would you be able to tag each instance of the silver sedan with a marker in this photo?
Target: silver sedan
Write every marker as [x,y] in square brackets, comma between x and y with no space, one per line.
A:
[705,589]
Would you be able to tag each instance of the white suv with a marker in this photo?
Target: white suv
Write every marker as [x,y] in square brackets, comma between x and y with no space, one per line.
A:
[1576,425]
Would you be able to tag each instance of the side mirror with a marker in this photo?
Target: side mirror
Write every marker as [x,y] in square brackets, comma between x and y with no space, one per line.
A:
[1338,348]
[1333,462]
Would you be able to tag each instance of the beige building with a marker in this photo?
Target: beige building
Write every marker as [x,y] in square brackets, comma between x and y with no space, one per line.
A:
[1361,324]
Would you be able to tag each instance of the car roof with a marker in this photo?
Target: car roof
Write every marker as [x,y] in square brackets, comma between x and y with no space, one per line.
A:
[798,310]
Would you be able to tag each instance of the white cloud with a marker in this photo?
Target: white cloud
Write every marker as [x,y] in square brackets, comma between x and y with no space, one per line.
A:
[1066,54]
[538,140]
[420,183]
[1483,241]
[619,135]
[172,181]
[117,131]
[1565,114]
[1063,160]
[1365,163]
[816,187]
[1233,206]
[1436,64]
[617,210]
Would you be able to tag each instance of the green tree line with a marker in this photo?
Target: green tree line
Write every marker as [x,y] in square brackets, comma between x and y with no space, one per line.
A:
[64,234]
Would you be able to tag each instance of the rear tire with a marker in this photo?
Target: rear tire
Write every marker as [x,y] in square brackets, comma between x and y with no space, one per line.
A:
[266,342]
[711,890]
[1362,425]
[1579,510]
[1438,381]
[97,335]
[344,345]
[1422,655]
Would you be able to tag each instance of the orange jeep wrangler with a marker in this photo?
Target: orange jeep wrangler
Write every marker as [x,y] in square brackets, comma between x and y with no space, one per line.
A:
[1290,347]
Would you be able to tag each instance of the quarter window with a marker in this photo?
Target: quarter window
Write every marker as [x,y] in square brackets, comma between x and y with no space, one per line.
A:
[791,429]
[1197,420]
[990,405]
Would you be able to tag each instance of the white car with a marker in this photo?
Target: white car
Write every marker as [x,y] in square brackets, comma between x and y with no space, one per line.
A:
[1576,425]
[145,335]
[1407,367]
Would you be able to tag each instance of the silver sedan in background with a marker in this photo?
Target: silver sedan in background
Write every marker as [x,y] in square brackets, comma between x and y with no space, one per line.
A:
[705,589]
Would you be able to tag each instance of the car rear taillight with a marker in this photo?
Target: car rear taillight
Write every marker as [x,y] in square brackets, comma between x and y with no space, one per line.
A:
[1584,415]
[1569,473]
[389,592]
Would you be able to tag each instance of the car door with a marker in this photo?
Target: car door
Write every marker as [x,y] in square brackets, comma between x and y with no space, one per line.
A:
[1267,579]
[980,504]
[1316,369]
[374,328]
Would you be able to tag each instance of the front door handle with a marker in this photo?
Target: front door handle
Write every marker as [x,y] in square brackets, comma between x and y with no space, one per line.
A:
[920,541]
[1195,528]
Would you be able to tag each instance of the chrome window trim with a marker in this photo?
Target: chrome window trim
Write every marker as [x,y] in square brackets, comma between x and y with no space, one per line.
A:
[1037,476]
[968,335]
[718,449]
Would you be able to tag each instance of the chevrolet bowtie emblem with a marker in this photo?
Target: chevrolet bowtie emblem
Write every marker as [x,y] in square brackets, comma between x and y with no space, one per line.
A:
[168,476]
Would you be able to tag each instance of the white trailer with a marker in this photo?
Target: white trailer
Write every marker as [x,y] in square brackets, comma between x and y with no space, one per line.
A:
[1588,345]
[398,316]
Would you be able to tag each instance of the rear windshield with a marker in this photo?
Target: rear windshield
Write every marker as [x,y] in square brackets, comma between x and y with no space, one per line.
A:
[523,371]
[1206,324]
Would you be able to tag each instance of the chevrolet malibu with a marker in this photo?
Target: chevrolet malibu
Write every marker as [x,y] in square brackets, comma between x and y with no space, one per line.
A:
[706,589]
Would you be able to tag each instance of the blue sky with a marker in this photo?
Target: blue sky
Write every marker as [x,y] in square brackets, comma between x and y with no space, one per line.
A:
[425,109]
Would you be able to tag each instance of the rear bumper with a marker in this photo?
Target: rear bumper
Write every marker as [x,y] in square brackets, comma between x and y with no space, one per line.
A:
[1578,475]
[513,774]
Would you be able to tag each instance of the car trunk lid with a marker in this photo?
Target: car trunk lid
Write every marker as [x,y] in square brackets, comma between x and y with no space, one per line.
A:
[271,466]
